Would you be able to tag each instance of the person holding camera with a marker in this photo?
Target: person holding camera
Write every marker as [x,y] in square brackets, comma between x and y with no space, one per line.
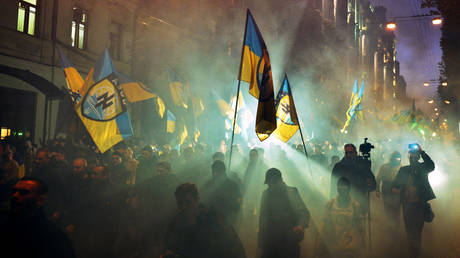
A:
[358,171]
[415,191]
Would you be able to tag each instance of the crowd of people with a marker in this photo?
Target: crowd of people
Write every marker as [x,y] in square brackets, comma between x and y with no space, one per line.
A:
[65,199]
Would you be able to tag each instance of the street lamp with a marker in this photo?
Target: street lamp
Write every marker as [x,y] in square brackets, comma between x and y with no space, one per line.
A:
[391,26]
[436,21]
[431,101]
[444,84]
[447,102]
[426,84]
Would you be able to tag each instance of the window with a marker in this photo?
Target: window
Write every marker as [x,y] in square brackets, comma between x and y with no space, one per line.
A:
[115,40]
[27,16]
[79,28]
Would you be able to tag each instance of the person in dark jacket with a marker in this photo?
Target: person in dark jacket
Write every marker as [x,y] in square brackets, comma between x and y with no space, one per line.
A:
[391,202]
[198,232]
[28,233]
[414,188]
[155,206]
[222,194]
[147,165]
[283,218]
[358,172]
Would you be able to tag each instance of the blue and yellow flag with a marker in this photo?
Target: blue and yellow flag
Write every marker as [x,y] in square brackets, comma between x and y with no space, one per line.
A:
[171,122]
[161,107]
[178,88]
[286,114]
[102,108]
[256,70]
[73,78]
[355,108]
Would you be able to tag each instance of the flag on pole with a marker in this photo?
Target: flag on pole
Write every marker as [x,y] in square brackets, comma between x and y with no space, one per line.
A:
[286,114]
[73,78]
[256,70]
[171,122]
[354,108]
[102,108]
[161,107]
[178,89]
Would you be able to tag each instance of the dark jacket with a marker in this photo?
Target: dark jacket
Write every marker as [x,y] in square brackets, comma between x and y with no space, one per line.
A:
[281,210]
[210,237]
[34,237]
[420,173]
[358,172]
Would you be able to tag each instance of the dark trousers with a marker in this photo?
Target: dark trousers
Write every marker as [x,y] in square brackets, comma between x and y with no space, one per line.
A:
[414,219]
[392,209]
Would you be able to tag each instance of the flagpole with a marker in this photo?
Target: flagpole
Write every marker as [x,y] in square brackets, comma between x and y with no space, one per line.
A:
[300,128]
[238,92]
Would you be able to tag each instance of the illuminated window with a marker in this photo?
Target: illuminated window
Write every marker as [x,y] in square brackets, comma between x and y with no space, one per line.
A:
[115,40]
[27,16]
[5,132]
[79,28]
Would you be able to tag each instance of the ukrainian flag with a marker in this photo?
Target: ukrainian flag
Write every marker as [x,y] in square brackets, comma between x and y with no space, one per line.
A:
[256,70]
[178,89]
[286,114]
[171,122]
[73,78]
[161,107]
[355,108]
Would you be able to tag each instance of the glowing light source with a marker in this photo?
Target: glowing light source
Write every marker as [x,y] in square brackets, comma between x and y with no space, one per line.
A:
[435,109]
[437,21]
[446,101]
[426,84]
[391,26]
[431,101]
[436,178]
[444,84]
[433,134]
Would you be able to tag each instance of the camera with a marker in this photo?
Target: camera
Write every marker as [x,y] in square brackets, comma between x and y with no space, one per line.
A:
[366,148]
[414,148]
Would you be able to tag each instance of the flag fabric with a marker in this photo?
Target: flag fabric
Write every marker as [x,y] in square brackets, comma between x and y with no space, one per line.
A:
[256,70]
[183,135]
[178,88]
[73,78]
[355,108]
[286,114]
[102,108]
[103,112]
[161,107]
[171,122]
[197,105]
[133,90]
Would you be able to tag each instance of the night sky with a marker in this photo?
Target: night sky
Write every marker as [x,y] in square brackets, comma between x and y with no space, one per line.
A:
[417,46]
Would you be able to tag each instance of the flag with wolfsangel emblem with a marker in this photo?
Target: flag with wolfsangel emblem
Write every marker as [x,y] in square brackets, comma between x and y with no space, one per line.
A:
[286,115]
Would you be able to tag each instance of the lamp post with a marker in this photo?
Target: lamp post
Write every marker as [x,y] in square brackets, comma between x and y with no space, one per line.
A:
[391,26]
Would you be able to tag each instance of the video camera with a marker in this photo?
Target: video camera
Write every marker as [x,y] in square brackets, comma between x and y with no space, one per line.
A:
[366,148]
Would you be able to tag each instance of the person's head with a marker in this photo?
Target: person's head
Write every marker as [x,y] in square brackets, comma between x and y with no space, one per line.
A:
[79,165]
[164,167]
[121,148]
[188,153]
[343,186]
[58,153]
[116,159]
[28,196]
[273,177]
[7,156]
[43,158]
[218,156]
[253,155]
[414,157]
[350,151]
[395,158]
[99,172]
[187,197]
[147,152]
[218,168]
